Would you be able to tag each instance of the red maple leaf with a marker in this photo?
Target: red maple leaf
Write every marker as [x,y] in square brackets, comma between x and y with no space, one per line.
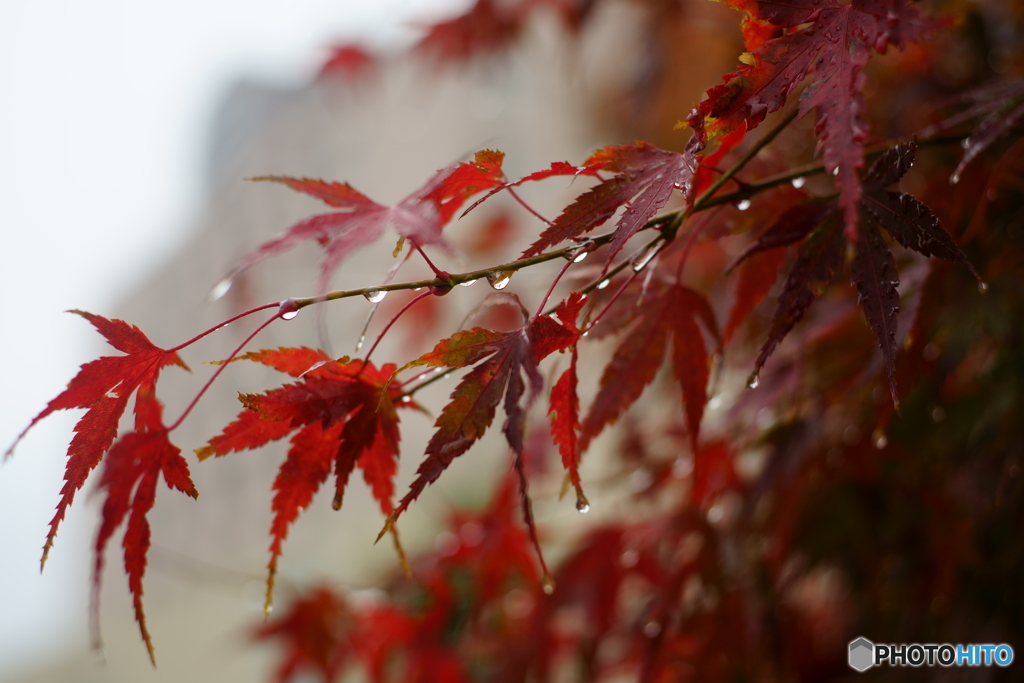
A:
[669,311]
[361,221]
[103,387]
[645,179]
[836,48]
[342,414]
[501,360]
[318,632]
[130,476]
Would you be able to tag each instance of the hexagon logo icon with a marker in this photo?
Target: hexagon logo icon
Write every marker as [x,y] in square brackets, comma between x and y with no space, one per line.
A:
[862,654]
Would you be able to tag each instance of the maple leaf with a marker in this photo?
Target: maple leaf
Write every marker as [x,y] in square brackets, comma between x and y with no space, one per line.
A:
[132,470]
[361,221]
[668,312]
[836,48]
[873,269]
[318,632]
[501,360]
[645,178]
[342,414]
[103,387]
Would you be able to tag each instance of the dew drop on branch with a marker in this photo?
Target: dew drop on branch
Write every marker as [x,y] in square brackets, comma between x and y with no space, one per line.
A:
[798,182]
[582,506]
[499,279]
[220,289]
[288,309]
[467,283]
[641,261]
[375,296]
[603,283]
[743,204]
[753,381]
[982,287]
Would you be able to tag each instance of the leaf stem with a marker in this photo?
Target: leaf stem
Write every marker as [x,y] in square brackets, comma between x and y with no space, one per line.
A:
[393,321]
[223,324]
[220,369]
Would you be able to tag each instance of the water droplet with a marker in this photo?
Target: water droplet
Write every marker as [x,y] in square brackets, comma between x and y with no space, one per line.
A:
[375,296]
[220,289]
[955,179]
[753,381]
[548,585]
[798,182]
[641,261]
[603,283]
[499,279]
[580,256]
[835,171]
[582,506]
[359,344]
[938,414]
[288,309]
[881,440]
[652,629]
[629,558]
[743,204]
[965,143]
[982,287]
[467,283]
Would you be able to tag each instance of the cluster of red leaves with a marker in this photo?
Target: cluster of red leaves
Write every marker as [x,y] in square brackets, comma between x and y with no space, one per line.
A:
[465,603]
[656,596]
[134,464]
[341,414]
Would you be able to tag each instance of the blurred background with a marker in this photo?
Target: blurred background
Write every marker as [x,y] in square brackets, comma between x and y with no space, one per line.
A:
[127,131]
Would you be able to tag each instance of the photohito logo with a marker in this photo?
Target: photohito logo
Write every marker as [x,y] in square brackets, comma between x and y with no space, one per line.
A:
[863,654]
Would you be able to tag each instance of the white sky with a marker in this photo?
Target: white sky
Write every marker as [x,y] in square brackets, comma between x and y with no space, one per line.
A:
[104,114]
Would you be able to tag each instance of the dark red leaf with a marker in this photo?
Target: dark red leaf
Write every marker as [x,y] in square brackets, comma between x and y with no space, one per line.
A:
[673,312]
[874,273]
[645,179]
[818,259]
[501,359]
[835,47]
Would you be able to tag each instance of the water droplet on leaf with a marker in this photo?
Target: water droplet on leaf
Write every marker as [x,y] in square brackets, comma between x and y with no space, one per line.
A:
[582,506]
[753,381]
[835,171]
[548,584]
[375,296]
[499,279]
[881,440]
